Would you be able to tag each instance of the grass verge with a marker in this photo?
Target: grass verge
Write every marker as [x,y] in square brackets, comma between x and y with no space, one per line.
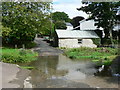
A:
[18,55]
[101,55]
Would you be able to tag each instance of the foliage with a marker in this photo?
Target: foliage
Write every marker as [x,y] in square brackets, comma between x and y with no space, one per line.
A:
[5,33]
[18,56]
[23,18]
[0,29]
[60,25]
[47,27]
[96,41]
[62,48]
[104,13]
[30,44]
[104,55]
[59,19]
[106,41]
[60,16]
[75,22]
[27,67]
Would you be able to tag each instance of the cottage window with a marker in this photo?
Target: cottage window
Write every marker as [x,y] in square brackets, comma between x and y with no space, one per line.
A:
[79,41]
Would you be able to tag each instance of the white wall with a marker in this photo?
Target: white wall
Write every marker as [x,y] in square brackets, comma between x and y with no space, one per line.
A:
[73,43]
[69,27]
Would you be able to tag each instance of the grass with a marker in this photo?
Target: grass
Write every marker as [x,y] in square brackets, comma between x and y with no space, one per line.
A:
[103,55]
[27,67]
[17,55]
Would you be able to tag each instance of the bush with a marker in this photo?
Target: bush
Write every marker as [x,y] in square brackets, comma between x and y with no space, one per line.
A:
[30,44]
[18,56]
[5,33]
[60,25]
[96,41]
[105,55]
[106,41]
[27,45]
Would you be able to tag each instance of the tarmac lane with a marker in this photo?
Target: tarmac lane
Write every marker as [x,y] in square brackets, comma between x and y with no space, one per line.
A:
[11,76]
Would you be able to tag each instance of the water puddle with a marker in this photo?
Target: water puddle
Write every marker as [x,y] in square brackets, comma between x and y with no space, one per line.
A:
[61,72]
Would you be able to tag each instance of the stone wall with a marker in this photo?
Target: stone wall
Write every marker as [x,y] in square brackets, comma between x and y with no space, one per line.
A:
[73,43]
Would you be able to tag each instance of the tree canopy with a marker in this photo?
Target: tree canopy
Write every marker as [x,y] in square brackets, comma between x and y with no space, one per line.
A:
[60,16]
[59,19]
[75,21]
[60,25]
[103,13]
[24,19]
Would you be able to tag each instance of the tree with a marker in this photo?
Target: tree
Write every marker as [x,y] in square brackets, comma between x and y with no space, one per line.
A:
[47,27]
[103,13]
[24,19]
[59,19]
[60,16]
[75,22]
[60,25]
[5,33]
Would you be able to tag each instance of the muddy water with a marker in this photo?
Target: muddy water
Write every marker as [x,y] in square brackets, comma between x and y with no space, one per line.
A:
[61,72]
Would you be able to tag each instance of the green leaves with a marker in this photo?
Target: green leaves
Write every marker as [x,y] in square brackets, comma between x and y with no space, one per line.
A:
[18,56]
[24,19]
[60,16]
[60,25]
[102,12]
[59,19]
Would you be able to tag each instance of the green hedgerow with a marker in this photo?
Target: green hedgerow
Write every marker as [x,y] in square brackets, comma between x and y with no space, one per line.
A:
[18,56]
[104,55]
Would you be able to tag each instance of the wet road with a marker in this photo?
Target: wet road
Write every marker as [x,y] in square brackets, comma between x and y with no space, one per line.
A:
[61,72]
[54,70]
[44,49]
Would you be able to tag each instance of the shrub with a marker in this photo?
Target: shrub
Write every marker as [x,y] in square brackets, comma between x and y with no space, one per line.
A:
[30,44]
[96,41]
[105,55]
[18,56]
[60,25]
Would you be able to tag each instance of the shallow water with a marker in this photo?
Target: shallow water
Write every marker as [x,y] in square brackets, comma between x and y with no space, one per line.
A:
[59,72]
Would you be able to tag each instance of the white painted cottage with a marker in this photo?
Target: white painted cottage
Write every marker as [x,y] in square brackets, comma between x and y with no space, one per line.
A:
[75,38]
[88,25]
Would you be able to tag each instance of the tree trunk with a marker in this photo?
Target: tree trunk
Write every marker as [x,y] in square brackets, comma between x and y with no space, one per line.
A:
[111,37]
[107,34]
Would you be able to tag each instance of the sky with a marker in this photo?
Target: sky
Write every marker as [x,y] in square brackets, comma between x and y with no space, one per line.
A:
[69,7]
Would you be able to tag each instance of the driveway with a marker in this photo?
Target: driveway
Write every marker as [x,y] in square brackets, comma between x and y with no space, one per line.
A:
[44,49]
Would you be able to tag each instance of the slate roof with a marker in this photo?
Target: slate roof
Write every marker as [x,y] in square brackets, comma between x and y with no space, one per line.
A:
[68,24]
[79,34]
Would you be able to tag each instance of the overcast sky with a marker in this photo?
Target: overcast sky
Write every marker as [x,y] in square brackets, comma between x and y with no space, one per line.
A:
[69,7]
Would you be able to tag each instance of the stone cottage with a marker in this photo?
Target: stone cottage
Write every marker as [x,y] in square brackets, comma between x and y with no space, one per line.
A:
[75,38]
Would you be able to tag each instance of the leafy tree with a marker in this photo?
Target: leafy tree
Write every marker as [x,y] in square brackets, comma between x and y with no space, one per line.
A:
[5,33]
[75,22]
[47,27]
[103,13]
[0,29]
[24,19]
[60,16]
[59,19]
[60,25]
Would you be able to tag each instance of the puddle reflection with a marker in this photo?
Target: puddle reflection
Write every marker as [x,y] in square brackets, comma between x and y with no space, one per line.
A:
[60,71]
